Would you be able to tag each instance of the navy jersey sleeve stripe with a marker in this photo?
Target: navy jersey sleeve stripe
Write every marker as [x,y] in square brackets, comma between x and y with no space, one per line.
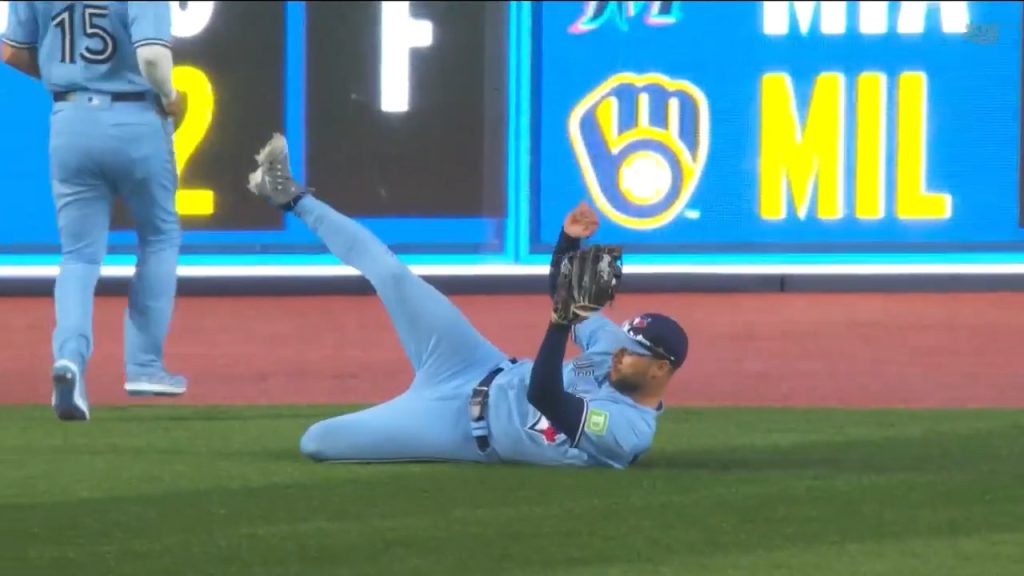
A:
[152,42]
[583,420]
[16,44]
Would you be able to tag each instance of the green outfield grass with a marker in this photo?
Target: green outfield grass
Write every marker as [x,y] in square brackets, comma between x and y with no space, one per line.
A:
[147,491]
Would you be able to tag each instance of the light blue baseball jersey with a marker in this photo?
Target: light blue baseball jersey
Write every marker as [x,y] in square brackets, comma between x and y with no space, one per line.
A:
[89,46]
[615,430]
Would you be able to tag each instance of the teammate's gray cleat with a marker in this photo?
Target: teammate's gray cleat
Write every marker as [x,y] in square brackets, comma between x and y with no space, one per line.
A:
[161,384]
[273,179]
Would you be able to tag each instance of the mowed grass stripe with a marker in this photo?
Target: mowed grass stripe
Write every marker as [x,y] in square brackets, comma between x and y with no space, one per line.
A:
[162,490]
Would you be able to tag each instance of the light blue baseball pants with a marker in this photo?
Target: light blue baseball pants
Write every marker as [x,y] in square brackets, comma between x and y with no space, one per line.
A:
[98,150]
[430,420]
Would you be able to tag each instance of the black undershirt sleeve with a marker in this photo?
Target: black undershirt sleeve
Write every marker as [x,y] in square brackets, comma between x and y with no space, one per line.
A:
[565,245]
[547,391]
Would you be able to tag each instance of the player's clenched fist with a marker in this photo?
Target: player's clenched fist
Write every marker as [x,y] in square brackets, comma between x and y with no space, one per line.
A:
[175,109]
[581,222]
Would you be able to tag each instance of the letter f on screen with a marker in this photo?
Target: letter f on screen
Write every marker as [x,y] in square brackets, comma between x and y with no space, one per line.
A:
[399,34]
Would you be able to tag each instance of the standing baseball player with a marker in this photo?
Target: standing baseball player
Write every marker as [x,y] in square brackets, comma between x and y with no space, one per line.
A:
[468,400]
[108,66]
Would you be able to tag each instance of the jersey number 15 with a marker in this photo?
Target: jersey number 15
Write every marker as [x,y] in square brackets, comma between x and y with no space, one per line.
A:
[92,28]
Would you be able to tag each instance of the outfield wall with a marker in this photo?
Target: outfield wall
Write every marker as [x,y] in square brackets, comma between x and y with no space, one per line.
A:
[751,146]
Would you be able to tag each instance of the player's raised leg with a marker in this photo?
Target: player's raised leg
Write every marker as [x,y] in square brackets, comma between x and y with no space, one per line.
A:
[147,181]
[83,203]
[439,341]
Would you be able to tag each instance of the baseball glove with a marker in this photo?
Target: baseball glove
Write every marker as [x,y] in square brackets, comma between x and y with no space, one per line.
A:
[587,282]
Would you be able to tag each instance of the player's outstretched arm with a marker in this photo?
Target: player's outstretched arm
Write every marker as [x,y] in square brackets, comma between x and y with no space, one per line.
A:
[20,39]
[547,390]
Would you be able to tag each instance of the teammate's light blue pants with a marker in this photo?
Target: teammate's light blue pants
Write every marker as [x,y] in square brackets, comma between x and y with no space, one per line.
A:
[430,420]
[100,149]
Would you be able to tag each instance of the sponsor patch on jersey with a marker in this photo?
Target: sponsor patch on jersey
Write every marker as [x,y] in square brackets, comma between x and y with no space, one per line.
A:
[597,422]
[584,367]
[545,430]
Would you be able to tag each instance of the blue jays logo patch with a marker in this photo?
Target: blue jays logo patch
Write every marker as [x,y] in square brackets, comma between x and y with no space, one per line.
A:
[545,430]
[641,142]
[638,322]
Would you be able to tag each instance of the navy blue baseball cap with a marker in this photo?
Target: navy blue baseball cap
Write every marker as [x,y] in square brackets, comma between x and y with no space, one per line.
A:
[659,336]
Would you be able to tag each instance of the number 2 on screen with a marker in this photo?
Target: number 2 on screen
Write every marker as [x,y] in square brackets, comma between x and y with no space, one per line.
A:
[198,117]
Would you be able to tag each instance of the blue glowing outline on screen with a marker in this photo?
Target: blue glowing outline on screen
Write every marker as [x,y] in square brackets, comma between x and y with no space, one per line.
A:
[295,88]
[522,53]
[512,180]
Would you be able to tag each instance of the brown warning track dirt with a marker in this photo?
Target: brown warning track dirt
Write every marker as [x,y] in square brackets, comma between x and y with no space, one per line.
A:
[856,350]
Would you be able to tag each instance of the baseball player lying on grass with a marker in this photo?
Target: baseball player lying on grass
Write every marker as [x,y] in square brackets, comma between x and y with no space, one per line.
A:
[468,400]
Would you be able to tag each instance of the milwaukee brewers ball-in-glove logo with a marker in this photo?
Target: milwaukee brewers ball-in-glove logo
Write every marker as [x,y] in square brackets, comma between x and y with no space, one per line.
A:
[641,141]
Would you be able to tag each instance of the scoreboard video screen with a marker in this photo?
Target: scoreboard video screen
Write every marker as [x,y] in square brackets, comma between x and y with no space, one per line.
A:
[780,127]
[428,177]
[728,133]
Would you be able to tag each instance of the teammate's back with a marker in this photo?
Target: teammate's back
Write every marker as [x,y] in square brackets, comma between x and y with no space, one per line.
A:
[88,46]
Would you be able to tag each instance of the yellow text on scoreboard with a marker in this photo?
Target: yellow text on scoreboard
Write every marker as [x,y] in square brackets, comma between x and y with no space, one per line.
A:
[804,157]
[795,157]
